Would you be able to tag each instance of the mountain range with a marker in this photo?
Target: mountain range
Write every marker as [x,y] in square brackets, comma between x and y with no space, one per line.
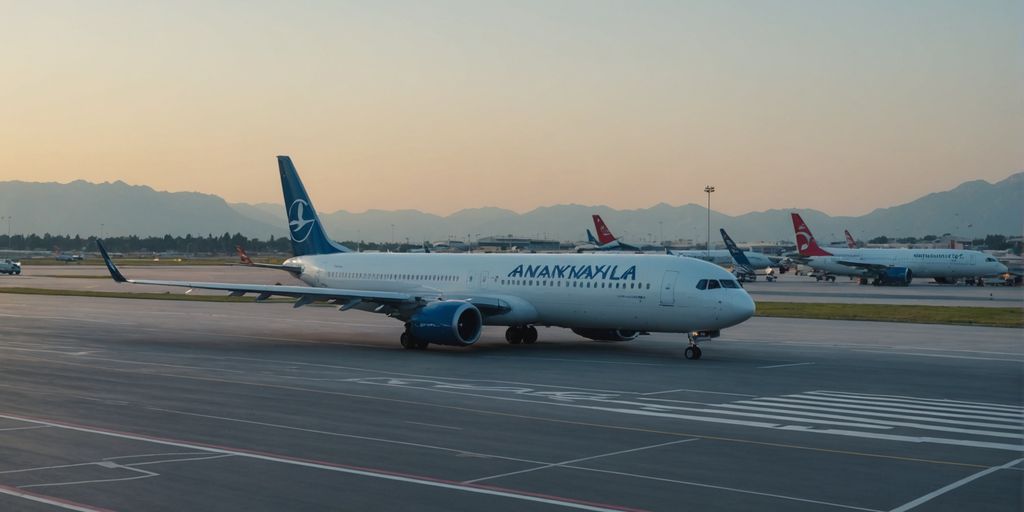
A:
[972,209]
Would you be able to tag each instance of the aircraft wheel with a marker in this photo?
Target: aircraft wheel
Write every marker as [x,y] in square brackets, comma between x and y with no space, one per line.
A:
[421,345]
[530,335]
[407,341]
[692,352]
[514,335]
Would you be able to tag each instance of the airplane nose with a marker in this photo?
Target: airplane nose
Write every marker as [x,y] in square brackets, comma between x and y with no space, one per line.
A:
[740,309]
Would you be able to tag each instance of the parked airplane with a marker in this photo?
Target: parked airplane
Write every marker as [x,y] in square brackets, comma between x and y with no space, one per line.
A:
[743,269]
[892,266]
[605,240]
[850,243]
[446,299]
[60,255]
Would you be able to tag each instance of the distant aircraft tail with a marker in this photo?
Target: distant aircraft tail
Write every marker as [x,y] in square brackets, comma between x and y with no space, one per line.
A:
[742,262]
[805,242]
[246,260]
[849,240]
[604,235]
[591,239]
[304,226]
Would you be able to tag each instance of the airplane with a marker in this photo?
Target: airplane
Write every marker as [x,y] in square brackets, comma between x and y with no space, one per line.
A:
[605,240]
[60,255]
[850,243]
[892,266]
[743,269]
[446,299]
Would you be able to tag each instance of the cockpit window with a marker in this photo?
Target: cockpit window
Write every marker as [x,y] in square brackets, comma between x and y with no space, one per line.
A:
[702,284]
[990,260]
[729,283]
[713,283]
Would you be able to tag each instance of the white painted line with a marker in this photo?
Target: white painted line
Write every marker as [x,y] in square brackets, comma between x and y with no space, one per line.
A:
[857,404]
[49,500]
[573,461]
[144,474]
[696,391]
[166,461]
[434,425]
[911,399]
[758,406]
[339,468]
[340,434]
[959,483]
[915,439]
[723,488]
[949,356]
[33,427]
[894,408]
[784,365]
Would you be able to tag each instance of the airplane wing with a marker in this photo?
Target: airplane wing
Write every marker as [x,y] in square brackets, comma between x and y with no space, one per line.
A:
[247,261]
[307,294]
[876,268]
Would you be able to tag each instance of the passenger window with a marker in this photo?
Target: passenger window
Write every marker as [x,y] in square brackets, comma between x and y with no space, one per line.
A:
[713,283]
[702,284]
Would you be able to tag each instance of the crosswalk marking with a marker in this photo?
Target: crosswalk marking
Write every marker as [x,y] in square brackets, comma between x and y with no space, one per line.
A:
[933,401]
[935,411]
[866,413]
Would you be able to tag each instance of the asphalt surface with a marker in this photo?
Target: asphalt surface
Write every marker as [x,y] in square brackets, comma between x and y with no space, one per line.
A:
[113,404]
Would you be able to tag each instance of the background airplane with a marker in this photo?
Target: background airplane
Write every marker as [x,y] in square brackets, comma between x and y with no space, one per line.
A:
[60,255]
[446,299]
[892,266]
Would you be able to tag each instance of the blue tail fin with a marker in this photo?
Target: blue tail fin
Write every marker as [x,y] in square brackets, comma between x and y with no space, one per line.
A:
[737,255]
[591,239]
[304,226]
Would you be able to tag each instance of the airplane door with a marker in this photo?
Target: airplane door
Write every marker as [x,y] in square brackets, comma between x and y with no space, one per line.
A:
[668,288]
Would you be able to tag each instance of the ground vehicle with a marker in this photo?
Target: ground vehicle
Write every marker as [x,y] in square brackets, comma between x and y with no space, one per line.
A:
[10,267]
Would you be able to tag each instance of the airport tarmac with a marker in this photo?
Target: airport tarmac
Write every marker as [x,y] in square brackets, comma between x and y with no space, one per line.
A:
[788,288]
[114,404]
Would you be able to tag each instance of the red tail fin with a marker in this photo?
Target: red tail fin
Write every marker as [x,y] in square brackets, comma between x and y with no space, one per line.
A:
[849,240]
[243,256]
[604,235]
[805,242]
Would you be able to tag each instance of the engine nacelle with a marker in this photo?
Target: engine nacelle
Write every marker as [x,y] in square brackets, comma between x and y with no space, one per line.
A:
[895,276]
[607,334]
[448,322]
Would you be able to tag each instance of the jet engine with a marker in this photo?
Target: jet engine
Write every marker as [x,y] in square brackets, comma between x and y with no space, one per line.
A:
[895,276]
[448,322]
[607,334]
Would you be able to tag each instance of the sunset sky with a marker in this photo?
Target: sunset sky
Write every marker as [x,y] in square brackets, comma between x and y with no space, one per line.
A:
[843,106]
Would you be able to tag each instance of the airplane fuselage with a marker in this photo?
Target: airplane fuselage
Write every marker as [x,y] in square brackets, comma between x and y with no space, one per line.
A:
[758,260]
[602,291]
[953,263]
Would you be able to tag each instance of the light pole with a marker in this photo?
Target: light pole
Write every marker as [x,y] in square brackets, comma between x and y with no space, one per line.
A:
[709,189]
[9,219]
[661,232]
[101,230]
[392,234]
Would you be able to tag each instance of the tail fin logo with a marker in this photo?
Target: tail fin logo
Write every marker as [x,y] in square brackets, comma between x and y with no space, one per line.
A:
[300,228]
[803,233]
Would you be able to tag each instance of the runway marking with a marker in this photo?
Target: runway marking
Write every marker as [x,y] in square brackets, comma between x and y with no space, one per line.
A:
[336,467]
[695,391]
[433,425]
[341,434]
[724,488]
[784,365]
[552,420]
[755,407]
[573,461]
[33,427]
[50,500]
[948,356]
[903,398]
[919,409]
[959,483]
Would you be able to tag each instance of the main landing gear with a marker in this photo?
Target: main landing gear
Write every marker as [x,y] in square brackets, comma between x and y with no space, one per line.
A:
[409,342]
[521,334]
[692,351]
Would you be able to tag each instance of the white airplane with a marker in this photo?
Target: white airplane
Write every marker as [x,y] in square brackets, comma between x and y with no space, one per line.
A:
[446,299]
[892,266]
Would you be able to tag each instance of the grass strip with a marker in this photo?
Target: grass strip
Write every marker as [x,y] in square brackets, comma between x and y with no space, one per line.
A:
[134,295]
[944,315]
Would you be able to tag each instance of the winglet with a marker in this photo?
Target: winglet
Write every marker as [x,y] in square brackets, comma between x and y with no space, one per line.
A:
[114,272]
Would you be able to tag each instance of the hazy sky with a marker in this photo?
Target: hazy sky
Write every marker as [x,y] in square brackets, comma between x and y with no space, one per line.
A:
[842,106]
